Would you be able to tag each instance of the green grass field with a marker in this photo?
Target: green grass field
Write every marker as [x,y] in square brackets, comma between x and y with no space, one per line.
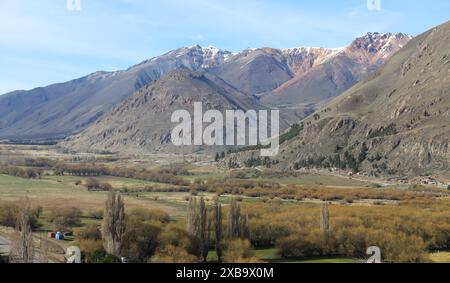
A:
[272,256]
[53,193]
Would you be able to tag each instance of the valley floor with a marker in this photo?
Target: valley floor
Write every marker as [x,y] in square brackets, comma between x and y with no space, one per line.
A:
[352,197]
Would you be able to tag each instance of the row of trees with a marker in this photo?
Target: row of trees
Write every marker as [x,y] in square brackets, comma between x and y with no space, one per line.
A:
[404,233]
[143,236]
[139,237]
[28,173]
[255,162]
[346,161]
[272,190]
[164,175]
[206,225]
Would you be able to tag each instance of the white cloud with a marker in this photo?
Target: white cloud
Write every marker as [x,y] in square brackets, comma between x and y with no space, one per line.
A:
[109,34]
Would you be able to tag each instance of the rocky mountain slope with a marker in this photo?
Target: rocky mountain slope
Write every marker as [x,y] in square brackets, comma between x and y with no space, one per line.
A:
[302,77]
[68,108]
[326,76]
[142,124]
[398,122]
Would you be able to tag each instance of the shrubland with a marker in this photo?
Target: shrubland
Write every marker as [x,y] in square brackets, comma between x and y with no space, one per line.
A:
[404,233]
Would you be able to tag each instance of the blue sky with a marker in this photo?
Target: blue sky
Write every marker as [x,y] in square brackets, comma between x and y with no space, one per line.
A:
[41,42]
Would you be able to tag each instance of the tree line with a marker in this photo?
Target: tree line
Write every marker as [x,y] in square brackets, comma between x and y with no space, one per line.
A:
[150,236]
[92,170]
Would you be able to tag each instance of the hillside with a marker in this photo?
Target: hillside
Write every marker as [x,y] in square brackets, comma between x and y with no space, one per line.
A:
[67,108]
[303,77]
[142,124]
[397,123]
[337,71]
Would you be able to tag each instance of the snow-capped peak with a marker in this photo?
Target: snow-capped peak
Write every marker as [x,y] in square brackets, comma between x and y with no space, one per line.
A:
[376,42]
[207,57]
[376,46]
[372,46]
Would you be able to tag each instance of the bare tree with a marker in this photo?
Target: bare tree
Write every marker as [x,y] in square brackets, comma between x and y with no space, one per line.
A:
[196,221]
[245,227]
[234,220]
[43,249]
[201,232]
[191,218]
[208,233]
[218,231]
[22,250]
[325,219]
[113,226]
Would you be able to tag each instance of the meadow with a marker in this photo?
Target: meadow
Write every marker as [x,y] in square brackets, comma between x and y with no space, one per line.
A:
[409,224]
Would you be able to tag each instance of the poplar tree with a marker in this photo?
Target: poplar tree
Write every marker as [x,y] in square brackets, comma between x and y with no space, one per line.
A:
[196,223]
[191,216]
[325,227]
[325,219]
[234,220]
[201,232]
[245,228]
[22,246]
[113,225]
[218,231]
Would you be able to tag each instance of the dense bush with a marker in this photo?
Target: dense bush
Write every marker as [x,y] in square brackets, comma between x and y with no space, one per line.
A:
[239,251]
[252,188]
[163,175]
[92,250]
[404,233]
[149,215]
[141,237]
[95,185]
[173,254]
[90,232]
[28,173]
[9,212]
[175,245]
[96,214]
[63,219]
[38,162]
[390,130]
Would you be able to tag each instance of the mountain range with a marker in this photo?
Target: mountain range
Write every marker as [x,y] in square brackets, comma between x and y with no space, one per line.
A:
[142,124]
[296,80]
[395,123]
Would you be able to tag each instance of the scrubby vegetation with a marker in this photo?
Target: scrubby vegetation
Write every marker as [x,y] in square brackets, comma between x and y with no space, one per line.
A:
[293,132]
[29,173]
[403,233]
[95,185]
[390,130]
[266,189]
[196,214]
[266,162]
[9,213]
[64,219]
[346,161]
[163,175]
